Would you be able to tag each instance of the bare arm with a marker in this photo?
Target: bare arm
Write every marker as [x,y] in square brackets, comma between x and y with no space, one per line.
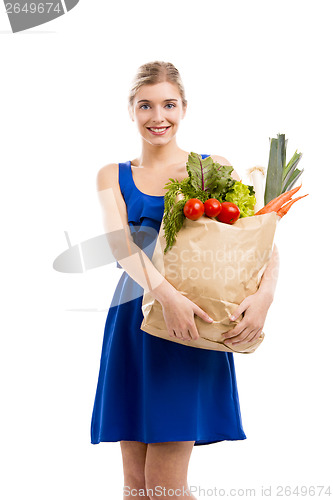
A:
[269,278]
[131,257]
[178,310]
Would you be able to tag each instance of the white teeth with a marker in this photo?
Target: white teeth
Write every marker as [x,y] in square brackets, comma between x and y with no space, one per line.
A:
[158,129]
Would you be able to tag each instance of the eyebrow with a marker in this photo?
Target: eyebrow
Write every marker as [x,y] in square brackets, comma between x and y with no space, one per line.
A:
[166,100]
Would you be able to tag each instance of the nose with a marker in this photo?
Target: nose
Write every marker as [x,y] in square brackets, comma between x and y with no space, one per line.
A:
[158,115]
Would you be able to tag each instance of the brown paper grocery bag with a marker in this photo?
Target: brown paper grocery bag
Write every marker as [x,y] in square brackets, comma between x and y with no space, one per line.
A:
[215,265]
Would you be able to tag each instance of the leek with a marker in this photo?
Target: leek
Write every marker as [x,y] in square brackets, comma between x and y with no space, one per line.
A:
[257,175]
[280,177]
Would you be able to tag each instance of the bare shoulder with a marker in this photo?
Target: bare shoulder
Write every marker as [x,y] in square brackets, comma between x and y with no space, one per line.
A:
[111,198]
[220,159]
[107,176]
[224,161]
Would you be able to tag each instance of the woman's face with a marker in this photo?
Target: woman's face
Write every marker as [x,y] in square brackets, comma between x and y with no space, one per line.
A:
[157,110]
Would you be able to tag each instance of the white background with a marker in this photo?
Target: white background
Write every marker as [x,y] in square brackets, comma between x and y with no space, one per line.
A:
[251,70]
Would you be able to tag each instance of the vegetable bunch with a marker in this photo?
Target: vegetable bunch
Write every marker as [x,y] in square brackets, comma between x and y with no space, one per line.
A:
[280,176]
[281,204]
[206,179]
[244,197]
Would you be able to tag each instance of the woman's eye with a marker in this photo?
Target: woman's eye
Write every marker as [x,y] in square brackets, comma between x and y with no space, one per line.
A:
[144,106]
[171,105]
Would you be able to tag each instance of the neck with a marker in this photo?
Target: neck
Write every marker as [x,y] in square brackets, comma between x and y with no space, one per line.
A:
[159,156]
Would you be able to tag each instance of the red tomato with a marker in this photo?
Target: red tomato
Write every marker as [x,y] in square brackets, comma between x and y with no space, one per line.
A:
[229,212]
[193,209]
[212,207]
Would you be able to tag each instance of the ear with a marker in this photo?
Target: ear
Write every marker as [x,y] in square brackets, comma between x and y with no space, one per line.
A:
[130,111]
[184,111]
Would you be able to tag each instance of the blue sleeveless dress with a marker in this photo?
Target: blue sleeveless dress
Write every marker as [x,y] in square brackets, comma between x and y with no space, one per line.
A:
[150,389]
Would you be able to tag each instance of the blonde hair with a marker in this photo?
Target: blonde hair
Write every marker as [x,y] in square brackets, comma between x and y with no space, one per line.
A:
[157,72]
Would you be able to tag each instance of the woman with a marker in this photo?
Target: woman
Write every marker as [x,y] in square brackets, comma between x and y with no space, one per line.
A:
[156,397]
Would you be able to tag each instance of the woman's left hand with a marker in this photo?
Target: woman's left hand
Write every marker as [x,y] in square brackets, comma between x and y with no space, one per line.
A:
[255,308]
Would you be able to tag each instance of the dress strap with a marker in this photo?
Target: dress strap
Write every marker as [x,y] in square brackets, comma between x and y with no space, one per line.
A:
[124,176]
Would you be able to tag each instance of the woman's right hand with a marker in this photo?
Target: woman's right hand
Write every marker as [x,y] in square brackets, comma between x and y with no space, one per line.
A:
[178,312]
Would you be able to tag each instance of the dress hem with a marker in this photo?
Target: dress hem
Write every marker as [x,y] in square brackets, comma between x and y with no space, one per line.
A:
[198,442]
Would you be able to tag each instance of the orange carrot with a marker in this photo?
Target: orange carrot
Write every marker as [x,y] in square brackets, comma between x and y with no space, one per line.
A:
[276,203]
[283,210]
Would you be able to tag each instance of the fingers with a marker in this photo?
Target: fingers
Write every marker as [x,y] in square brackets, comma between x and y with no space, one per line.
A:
[202,314]
[255,336]
[184,333]
[243,337]
[247,335]
[181,323]
[234,332]
[241,308]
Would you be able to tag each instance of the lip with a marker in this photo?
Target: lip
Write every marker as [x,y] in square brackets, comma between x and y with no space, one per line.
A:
[163,130]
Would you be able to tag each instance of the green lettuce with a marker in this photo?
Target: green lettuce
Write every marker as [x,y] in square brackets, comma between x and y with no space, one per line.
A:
[243,196]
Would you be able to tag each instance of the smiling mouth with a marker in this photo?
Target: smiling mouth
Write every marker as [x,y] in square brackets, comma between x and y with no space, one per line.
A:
[158,130]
